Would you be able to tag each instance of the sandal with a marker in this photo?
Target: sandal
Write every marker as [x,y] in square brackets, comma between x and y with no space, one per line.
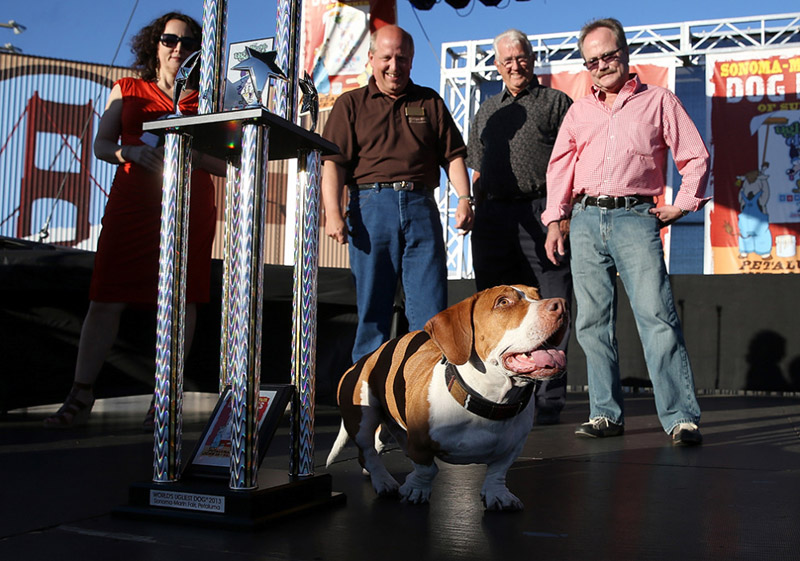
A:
[74,412]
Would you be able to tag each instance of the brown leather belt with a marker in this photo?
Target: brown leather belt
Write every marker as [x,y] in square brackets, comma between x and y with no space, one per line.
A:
[607,201]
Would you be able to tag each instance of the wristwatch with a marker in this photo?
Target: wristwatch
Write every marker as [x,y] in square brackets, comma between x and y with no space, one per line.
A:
[684,212]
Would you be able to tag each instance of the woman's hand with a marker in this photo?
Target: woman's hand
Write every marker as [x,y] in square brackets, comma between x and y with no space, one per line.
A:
[148,157]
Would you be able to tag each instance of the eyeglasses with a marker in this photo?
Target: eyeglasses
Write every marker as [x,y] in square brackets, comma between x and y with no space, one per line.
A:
[169,40]
[608,58]
[522,60]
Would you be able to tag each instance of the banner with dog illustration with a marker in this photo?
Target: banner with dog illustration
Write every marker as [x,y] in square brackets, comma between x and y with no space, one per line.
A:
[755,138]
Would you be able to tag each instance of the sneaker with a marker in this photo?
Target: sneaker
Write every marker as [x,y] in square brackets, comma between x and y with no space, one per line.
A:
[599,428]
[686,434]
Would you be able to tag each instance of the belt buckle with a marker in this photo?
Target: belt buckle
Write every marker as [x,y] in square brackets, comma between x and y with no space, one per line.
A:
[606,201]
[403,185]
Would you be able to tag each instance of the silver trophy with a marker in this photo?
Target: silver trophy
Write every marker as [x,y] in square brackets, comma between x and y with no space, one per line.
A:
[188,69]
[260,67]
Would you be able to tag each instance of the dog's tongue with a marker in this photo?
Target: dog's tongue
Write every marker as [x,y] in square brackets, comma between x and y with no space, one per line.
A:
[528,362]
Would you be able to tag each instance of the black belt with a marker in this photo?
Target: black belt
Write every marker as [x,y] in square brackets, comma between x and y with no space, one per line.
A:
[607,201]
[396,185]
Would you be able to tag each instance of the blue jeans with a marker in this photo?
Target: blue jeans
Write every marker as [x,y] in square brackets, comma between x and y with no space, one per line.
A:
[395,235]
[626,240]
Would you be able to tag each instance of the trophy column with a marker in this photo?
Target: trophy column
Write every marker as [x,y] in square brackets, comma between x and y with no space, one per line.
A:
[246,298]
[228,228]
[304,313]
[171,306]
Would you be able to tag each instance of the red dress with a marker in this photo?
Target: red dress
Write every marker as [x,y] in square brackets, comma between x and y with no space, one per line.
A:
[126,264]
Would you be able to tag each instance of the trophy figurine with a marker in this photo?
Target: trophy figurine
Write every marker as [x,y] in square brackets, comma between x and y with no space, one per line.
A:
[310,99]
[260,67]
[186,73]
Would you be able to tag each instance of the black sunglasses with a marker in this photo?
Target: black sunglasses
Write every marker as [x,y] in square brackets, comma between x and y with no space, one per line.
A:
[169,40]
[608,57]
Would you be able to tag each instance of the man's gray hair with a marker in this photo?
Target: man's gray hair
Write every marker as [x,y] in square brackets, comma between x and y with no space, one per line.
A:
[609,23]
[514,36]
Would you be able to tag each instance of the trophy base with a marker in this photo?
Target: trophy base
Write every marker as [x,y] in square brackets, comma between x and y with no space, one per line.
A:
[207,502]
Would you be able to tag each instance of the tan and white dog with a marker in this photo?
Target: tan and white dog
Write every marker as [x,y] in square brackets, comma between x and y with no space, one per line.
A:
[460,391]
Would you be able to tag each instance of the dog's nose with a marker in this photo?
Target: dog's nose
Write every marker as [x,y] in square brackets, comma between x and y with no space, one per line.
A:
[556,306]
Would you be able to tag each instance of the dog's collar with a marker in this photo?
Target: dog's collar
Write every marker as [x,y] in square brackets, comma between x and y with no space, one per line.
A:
[475,403]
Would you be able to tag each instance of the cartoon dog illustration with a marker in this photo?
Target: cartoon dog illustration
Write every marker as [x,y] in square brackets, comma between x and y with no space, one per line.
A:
[754,233]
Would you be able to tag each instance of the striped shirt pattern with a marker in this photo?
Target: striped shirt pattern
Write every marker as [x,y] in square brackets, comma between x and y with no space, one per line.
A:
[622,151]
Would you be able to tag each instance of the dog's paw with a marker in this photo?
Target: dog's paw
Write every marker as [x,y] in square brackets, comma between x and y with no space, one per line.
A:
[501,499]
[414,494]
[416,488]
[384,484]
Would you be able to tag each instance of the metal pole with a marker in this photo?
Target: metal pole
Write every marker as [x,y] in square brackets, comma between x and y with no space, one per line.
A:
[212,57]
[171,307]
[246,300]
[212,97]
[287,43]
[229,227]
[304,313]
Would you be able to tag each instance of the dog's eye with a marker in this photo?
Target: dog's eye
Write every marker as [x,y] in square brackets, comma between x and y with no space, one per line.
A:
[502,302]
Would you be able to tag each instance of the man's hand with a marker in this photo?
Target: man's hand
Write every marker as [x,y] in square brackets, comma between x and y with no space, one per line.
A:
[464,216]
[554,244]
[332,191]
[563,227]
[667,214]
[336,227]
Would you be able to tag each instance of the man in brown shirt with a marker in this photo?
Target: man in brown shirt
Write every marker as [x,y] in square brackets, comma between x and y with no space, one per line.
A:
[393,137]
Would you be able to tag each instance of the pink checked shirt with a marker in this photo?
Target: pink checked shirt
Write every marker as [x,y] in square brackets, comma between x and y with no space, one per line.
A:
[622,151]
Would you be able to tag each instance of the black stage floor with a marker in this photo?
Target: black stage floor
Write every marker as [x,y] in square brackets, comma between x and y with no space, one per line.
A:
[629,498]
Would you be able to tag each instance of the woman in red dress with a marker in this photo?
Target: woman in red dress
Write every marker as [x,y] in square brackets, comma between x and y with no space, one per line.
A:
[126,264]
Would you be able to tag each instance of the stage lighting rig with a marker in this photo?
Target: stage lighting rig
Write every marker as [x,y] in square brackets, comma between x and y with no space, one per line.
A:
[17,27]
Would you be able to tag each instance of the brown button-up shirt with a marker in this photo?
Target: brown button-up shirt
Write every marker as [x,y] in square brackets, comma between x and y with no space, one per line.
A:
[384,139]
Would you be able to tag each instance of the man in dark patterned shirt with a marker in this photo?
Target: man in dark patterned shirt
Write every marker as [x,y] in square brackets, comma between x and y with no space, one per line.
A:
[509,146]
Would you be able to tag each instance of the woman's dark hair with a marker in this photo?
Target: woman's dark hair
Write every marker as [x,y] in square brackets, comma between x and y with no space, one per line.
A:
[144,44]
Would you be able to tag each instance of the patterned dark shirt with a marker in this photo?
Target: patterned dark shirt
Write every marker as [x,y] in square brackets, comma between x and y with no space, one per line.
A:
[511,139]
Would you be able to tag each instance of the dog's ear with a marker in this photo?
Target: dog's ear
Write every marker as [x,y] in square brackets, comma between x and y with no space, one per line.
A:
[452,331]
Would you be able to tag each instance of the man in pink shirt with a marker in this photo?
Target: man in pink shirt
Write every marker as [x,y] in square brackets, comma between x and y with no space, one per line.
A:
[608,164]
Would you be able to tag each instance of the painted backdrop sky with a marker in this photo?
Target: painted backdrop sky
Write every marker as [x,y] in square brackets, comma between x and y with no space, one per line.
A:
[90,31]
